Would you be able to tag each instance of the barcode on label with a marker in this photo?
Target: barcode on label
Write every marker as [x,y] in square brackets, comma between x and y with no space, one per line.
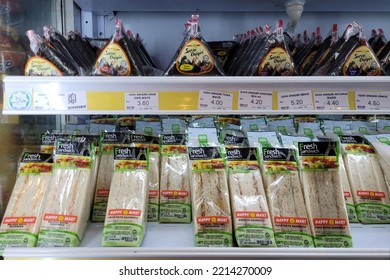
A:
[129,238]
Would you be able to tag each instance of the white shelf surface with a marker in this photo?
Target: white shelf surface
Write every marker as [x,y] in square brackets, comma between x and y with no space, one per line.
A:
[164,241]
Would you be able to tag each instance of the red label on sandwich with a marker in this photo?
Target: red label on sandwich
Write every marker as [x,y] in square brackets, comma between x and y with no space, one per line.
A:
[210,220]
[373,194]
[290,221]
[174,193]
[329,222]
[251,215]
[19,220]
[124,212]
[347,194]
[103,192]
[153,193]
[60,218]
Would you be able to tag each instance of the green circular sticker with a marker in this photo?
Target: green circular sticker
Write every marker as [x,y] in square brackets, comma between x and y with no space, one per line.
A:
[19,100]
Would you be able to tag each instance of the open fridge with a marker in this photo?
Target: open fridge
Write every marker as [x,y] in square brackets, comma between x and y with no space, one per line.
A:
[35,105]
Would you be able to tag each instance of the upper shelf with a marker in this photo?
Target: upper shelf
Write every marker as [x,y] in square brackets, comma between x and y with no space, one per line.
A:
[107,7]
[184,95]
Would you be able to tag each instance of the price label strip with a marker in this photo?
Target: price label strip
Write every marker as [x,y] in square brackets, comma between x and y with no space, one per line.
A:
[331,101]
[65,101]
[254,100]
[301,100]
[372,100]
[146,101]
[212,100]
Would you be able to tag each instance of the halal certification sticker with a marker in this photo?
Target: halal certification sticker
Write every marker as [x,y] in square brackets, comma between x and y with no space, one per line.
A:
[20,100]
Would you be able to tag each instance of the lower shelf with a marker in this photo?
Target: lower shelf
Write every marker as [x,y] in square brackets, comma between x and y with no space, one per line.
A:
[163,241]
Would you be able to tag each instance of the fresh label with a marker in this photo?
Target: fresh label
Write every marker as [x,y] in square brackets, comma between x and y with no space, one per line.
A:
[295,101]
[361,62]
[276,160]
[210,100]
[130,158]
[39,66]
[254,100]
[356,145]
[372,100]
[318,155]
[276,62]
[113,61]
[331,101]
[142,101]
[194,59]
[241,154]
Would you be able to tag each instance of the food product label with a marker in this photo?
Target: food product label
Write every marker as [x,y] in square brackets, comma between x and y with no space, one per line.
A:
[206,158]
[326,233]
[17,239]
[174,212]
[35,163]
[122,234]
[361,62]
[194,59]
[356,145]
[369,211]
[253,100]
[254,236]
[331,100]
[276,62]
[145,141]
[153,209]
[295,100]
[279,160]
[351,211]
[333,241]
[58,238]
[214,239]
[113,61]
[130,158]
[318,155]
[293,239]
[242,159]
[39,66]
[372,100]
[173,144]
[210,100]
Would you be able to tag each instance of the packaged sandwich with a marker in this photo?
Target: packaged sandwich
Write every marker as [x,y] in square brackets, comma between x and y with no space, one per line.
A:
[210,198]
[320,177]
[153,144]
[251,217]
[66,210]
[126,216]
[285,198]
[175,196]
[108,142]
[368,184]
[23,215]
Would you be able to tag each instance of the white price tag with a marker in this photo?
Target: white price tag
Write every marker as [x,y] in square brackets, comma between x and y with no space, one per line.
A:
[331,100]
[372,100]
[301,100]
[250,99]
[145,101]
[211,100]
[66,101]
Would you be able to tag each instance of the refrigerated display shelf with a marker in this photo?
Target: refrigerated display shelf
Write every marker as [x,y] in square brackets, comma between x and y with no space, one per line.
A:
[176,241]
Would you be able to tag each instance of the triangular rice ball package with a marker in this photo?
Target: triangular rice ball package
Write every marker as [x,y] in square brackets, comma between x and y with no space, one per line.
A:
[118,58]
[194,56]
